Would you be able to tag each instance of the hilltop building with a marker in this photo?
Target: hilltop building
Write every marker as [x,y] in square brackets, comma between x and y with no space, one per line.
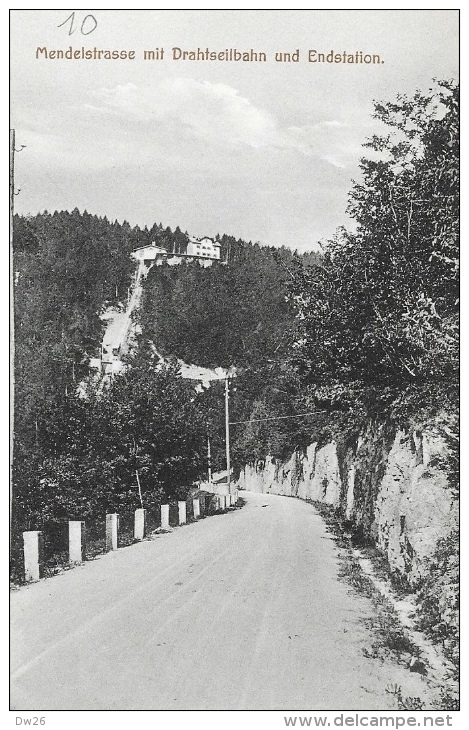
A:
[147,254]
[203,250]
[205,247]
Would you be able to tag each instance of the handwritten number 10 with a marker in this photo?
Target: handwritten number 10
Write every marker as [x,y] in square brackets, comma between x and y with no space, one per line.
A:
[83,30]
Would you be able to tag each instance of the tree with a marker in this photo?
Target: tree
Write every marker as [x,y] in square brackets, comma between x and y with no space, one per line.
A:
[150,423]
[223,315]
[378,317]
[91,449]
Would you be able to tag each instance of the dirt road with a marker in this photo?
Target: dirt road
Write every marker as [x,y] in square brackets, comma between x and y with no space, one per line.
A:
[238,611]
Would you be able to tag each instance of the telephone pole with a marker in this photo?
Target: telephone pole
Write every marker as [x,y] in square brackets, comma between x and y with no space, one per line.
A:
[227,431]
[12,317]
[209,460]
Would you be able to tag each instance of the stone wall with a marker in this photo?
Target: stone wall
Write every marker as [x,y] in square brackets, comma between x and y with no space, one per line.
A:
[386,483]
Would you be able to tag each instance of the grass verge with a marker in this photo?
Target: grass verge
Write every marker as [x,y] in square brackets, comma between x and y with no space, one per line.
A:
[392,640]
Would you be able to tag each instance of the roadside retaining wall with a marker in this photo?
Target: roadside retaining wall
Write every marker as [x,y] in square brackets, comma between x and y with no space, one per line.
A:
[386,483]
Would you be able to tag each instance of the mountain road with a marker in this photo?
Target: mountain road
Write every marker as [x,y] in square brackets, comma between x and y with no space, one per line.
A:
[240,611]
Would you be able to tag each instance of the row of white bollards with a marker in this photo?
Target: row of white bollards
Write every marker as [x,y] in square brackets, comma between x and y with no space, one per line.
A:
[33,543]
[223,501]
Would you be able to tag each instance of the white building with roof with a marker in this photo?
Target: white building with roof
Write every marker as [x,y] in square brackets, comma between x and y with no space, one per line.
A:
[204,247]
[202,250]
[150,253]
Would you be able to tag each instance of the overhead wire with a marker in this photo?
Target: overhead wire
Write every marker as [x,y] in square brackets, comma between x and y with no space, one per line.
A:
[273,418]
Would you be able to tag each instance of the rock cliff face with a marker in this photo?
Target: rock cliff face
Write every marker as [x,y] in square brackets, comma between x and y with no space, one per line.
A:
[386,483]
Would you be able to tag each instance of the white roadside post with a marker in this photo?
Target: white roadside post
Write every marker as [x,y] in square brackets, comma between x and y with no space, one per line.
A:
[196,504]
[165,516]
[182,513]
[33,555]
[140,524]
[76,541]
[112,526]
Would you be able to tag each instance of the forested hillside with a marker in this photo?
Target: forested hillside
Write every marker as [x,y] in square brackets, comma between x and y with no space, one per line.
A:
[67,268]
[75,455]
[234,315]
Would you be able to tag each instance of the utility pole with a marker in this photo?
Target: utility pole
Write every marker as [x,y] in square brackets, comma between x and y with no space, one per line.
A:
[12,316]
[227,431]
[209,460]
[12,183]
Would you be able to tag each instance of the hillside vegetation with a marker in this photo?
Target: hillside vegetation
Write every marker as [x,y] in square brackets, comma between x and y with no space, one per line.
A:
[78,456]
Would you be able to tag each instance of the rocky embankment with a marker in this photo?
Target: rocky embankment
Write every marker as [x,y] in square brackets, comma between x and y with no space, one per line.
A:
[391,488]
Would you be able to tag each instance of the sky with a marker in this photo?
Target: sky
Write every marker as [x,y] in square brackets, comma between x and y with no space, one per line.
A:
[264,151]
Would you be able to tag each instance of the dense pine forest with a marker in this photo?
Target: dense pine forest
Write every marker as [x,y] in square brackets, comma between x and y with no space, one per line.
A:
[367,326]
[77,454]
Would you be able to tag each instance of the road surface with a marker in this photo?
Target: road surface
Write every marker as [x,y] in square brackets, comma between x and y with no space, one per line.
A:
[240,611]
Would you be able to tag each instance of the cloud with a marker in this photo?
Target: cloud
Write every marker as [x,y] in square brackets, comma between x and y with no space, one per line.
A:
[215,113]
[218,115]
[335,142]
